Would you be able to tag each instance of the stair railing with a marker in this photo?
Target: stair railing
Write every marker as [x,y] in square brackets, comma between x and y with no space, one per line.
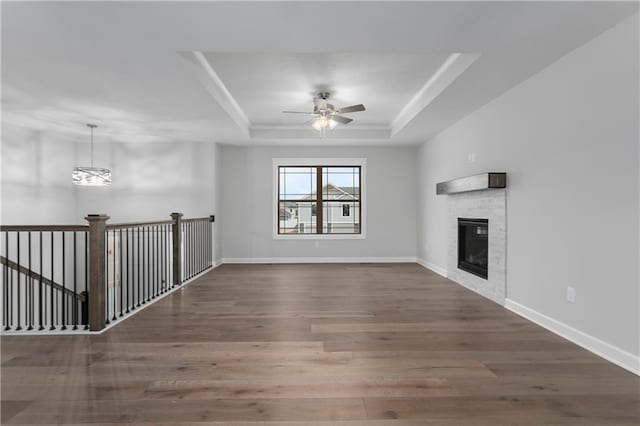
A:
[77,277]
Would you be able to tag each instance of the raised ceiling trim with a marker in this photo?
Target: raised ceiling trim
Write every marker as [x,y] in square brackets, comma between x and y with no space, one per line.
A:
[288,132]
[219,91]
[447,73]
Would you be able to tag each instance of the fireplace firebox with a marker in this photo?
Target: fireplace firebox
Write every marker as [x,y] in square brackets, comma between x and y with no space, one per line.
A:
[473,246]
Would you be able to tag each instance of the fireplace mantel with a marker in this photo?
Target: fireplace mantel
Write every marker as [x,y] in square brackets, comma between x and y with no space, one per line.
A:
[491,180]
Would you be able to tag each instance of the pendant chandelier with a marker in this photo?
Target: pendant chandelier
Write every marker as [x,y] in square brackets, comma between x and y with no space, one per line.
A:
[91,176]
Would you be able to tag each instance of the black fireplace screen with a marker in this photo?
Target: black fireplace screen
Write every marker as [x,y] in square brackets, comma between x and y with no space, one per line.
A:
[473,246]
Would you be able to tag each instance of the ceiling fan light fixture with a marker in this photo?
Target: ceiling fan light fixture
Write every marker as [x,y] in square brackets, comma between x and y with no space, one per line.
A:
[326,115]
[319,123]
[91,176]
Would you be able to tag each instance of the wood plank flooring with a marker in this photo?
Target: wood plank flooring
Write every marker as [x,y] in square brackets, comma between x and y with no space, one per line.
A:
[337,344]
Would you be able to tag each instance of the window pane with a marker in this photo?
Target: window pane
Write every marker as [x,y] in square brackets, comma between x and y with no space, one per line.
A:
[334,220]
[297,183]
[341,183]
[296,217]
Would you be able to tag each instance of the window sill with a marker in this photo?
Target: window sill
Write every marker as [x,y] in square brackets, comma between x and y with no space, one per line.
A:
[319,237]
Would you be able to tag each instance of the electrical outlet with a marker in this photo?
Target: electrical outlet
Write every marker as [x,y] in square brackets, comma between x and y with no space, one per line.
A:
[471,157]
[316,243]
[571,294]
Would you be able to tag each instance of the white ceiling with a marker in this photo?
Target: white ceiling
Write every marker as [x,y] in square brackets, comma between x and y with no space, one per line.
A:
[222,72]
[264,83]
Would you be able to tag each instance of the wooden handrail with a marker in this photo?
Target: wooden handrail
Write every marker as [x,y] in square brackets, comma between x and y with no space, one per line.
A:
[137,224]
[31,274]
[194,219]
[44,228]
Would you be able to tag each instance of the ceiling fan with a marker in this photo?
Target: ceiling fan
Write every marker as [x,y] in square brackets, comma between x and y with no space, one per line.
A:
[327,115]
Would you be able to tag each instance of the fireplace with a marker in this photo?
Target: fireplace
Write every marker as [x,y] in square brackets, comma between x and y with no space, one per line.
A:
[473,246]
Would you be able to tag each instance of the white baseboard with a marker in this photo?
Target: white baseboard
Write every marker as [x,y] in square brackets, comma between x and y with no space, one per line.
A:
[319,260]
[435,268]
[611,353]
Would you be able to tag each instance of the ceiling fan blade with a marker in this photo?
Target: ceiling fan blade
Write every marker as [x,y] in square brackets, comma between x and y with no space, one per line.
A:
[352,108]
[341,119]
[298,112]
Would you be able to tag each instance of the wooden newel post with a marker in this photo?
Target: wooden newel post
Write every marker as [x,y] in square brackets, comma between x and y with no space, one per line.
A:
[97,285]
[177,248]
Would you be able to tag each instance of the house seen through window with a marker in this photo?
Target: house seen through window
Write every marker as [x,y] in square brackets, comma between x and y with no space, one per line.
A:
[333,209]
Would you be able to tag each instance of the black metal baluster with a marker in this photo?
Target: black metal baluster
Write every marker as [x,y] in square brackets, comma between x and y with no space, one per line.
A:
[157,260]
[203,247]
[51,301]
[121,279]
[151,263]
[194,252]
[19,327]
[29,289]
[153,266]
[149,259]
[40,313]
[185,253]
[157,257]
[11,292]
[152,260]
[75,281]
[85,301]
[146,263]
[5,278]
[197,247]
[106,277]
[138,265]
[5,284]
[164,258]
[64,290]
[113,280]
[203,237]
[144,269]
[190,249]
[127,271]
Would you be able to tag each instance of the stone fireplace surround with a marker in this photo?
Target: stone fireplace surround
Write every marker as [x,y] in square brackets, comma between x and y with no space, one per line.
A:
[483,204]
[481,196]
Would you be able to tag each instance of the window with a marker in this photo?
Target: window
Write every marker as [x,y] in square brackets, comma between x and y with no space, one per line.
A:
[319,200]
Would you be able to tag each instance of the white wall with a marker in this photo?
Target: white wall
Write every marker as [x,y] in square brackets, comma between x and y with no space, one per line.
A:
[150,180]
[247,205]
[36,177]
[568,138]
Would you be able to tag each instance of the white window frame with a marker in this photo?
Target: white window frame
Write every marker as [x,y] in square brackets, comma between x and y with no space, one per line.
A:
[278,162]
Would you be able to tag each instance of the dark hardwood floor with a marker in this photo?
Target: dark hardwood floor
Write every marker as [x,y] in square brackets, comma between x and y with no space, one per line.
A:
[316,344]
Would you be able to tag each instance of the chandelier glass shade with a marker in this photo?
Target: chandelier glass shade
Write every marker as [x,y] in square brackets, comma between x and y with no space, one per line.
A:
[91,176]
